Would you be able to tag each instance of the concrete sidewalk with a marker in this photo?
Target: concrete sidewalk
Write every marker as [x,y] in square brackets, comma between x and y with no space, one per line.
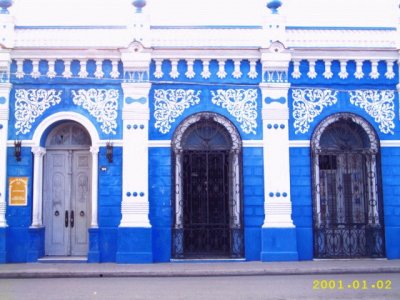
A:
[73,270]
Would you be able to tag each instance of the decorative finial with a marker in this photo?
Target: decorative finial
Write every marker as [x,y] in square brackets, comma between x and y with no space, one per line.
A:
[5,4]
[139,4]
[274,5]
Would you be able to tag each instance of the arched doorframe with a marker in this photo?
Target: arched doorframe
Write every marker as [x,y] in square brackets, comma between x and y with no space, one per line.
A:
[235,184]
[39,152]
[369,130]
[370,156]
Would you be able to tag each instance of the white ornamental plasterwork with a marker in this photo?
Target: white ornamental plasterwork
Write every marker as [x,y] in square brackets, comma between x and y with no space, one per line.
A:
[241,104]
[101,104]
[379,105]
[31,104]
[170,104]
[308,104]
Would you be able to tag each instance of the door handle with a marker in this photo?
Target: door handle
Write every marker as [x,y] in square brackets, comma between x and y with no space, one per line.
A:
[72,219]
[66,218]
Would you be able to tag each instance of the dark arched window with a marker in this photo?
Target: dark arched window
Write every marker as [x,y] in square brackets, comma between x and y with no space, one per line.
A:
[207,200]
[348,216]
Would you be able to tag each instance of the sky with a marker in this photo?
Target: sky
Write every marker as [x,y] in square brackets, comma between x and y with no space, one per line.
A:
[208,12]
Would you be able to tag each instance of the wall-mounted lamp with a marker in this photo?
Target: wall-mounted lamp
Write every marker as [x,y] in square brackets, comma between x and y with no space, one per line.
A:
[17,150]
[109,151]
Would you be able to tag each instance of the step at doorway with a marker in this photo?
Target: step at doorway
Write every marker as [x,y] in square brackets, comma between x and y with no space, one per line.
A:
[63,259]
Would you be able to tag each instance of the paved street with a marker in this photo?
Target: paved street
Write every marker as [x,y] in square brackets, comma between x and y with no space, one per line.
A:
[349,286]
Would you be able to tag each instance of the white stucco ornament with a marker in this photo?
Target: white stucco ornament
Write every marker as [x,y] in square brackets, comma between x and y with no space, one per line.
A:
[379,105]
[241,104]
[308,104]
[170,104]
[101,104]
[31,104]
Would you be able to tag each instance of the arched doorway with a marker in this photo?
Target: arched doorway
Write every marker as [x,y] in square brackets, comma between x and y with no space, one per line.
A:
[347,204]
[67,190]
[208,219]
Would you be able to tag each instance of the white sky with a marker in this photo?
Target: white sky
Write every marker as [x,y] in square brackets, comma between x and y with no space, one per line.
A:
[208,12]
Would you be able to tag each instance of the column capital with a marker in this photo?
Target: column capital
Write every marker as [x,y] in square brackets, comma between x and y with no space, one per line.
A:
[136,89]
[94,150]
[38,151]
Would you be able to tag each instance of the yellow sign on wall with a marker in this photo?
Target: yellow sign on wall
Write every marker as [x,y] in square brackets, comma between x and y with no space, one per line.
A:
[18,191]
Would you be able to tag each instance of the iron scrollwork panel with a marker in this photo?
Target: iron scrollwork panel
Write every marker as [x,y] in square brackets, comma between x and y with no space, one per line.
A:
[207,207]
[348,211]
[206,215]
[348,220]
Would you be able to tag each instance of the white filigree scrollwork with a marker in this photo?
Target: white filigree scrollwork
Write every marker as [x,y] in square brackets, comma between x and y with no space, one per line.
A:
[170,104]
[308,104]
[241,104]
[32,103]
[101,104]
[379,105]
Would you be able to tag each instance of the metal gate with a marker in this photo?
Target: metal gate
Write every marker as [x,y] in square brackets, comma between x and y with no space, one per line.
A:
[207,199]
[348,213]
[206,203]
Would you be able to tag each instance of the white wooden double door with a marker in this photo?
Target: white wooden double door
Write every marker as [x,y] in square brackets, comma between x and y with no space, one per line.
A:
[66,195]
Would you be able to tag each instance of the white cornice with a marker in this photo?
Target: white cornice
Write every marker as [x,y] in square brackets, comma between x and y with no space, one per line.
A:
[238,41]
[390,143]
[73,38]
[339,38]
[159,143]
[299,144]
[253,143]
[52,54]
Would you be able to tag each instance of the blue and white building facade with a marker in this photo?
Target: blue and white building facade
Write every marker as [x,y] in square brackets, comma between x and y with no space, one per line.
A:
[145,143]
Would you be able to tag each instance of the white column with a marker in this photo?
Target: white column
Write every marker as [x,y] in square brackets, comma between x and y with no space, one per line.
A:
[4,102]
[135,193]
[37,211]
[95,162]
[275,114]
[278,206]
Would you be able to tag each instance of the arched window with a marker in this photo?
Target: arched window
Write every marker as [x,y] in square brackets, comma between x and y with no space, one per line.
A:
[347,204]
[207,200]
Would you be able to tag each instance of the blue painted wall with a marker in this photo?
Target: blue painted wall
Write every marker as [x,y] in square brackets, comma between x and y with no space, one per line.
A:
[160,193]
[19,218]
[390,158]
[110,195]
[300,185]
[253,199]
